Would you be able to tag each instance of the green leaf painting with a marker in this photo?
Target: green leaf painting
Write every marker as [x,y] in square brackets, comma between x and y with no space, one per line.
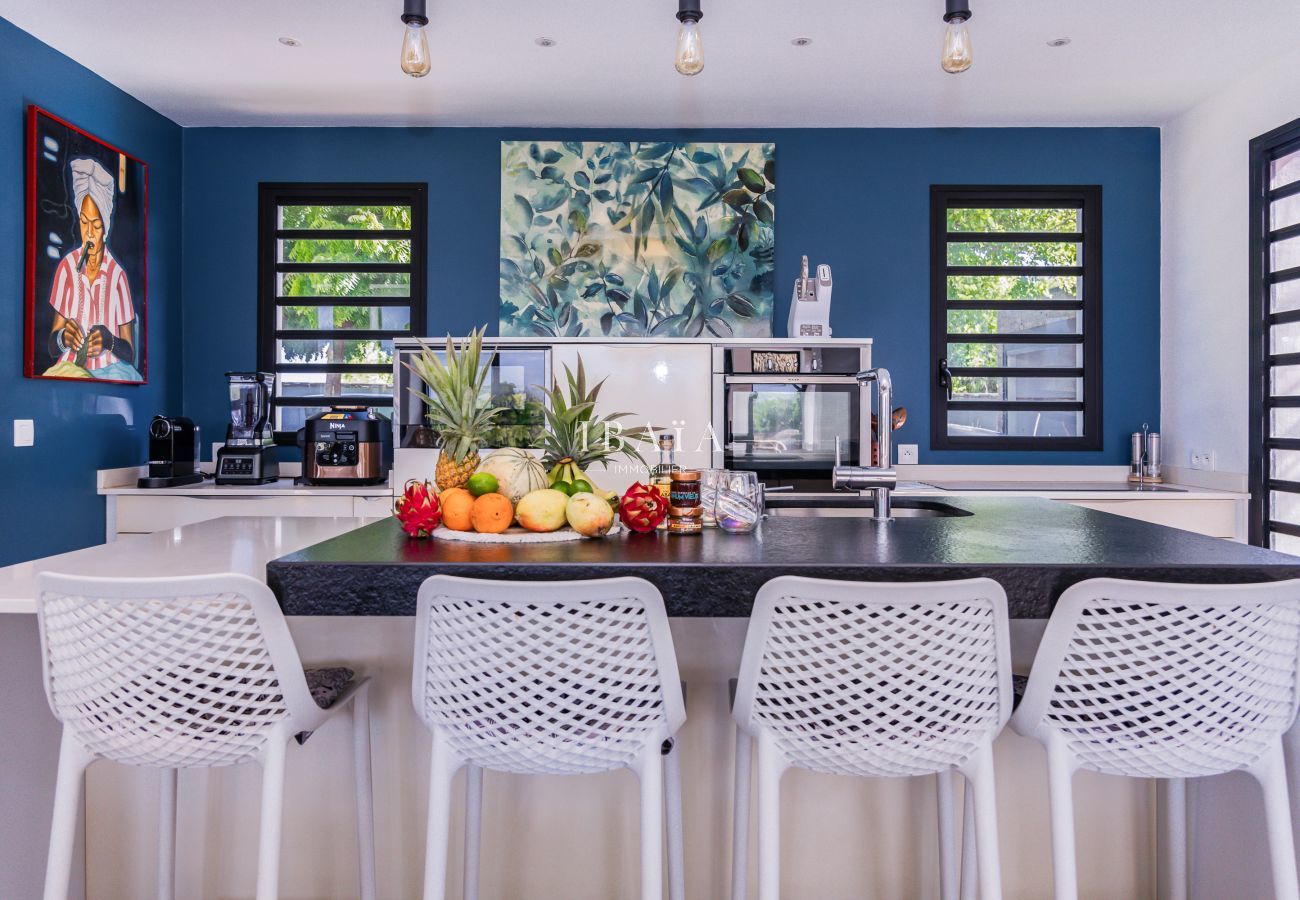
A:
[617,239]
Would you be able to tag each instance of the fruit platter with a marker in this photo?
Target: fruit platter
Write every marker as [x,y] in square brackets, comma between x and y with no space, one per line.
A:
[513,495]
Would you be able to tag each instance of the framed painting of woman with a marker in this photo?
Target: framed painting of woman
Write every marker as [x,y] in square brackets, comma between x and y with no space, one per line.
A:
[87,223]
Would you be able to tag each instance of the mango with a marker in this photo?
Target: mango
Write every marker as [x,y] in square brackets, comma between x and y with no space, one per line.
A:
[589,515]
[542,510]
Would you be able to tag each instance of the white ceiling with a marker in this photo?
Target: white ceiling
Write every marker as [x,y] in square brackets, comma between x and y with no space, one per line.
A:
[872,62]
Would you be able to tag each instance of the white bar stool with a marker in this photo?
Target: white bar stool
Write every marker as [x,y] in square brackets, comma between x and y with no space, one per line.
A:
[1169,681]
[178,673]
[558,678]
[875,680]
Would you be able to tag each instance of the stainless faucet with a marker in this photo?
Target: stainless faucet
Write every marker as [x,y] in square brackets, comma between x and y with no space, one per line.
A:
[880,479]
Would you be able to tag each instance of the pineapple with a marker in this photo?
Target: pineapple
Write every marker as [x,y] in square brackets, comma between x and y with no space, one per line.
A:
[456,410]
[576,437]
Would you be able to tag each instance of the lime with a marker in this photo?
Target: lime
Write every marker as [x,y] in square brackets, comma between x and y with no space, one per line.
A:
[582,486]
[482,483]
[564,487]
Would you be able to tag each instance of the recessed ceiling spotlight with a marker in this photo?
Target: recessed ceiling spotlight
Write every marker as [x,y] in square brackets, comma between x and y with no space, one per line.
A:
[545,42]
[290,42]
[801,41]
[1058,42]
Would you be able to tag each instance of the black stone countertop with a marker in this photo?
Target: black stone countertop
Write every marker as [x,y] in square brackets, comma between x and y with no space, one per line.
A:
[1035,548]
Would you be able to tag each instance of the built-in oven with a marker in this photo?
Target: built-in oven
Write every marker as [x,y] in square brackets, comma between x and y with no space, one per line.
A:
[780,409]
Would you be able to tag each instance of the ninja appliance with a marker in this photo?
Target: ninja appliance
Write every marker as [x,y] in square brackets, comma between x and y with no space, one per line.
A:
[345,445]
[249,454]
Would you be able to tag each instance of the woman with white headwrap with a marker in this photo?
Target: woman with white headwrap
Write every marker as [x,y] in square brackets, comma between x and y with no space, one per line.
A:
[94,319]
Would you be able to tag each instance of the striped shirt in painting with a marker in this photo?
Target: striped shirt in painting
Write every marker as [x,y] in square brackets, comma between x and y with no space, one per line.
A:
[107,302]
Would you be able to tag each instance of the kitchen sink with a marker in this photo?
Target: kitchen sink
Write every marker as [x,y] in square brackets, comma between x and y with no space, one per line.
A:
[858,507]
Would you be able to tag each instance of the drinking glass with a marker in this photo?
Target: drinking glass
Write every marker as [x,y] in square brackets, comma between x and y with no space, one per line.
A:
[709,481]
[738,503]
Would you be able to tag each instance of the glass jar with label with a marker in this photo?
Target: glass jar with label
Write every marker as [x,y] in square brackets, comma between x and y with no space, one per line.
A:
[685,514]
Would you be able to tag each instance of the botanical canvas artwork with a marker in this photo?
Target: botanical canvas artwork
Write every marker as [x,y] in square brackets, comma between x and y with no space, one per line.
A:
[635,239]
[87,208]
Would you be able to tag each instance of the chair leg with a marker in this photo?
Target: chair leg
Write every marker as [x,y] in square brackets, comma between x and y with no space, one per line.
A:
[473,829]
[944,796]
[1175,816]
[1060,774]
[268,850]
[980,783]
[770,768]
[364,784]
[1270,772]
[740,817]
[650,770]
[67,806]
[442,768]
[167,834]
[673,816]
[969,850]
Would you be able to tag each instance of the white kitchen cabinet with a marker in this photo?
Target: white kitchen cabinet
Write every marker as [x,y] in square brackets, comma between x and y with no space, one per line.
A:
[1215,518]
[666,385]
[133,510]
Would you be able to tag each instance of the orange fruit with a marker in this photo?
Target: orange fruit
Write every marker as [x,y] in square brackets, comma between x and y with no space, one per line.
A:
[492,513]
[457,506]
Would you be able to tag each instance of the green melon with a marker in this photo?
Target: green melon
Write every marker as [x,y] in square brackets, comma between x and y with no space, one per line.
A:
[517,472]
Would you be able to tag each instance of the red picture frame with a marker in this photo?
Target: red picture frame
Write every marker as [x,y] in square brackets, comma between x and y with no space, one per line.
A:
[53,223]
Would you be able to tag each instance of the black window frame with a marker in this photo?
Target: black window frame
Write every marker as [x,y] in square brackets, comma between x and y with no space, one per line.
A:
[273,195]
[1264,149]
[1087,198]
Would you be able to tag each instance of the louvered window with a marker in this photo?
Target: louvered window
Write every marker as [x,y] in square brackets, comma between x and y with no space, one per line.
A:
[1015,318]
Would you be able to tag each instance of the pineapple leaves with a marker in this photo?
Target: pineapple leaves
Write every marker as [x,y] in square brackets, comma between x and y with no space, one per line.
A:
[454,402]
[575,431]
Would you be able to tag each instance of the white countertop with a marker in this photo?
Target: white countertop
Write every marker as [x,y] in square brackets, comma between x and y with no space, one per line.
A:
[243,544]
[1046,489]
[282,488]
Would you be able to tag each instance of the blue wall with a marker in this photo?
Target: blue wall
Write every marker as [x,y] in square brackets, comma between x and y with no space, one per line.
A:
[48,502]
[857,199]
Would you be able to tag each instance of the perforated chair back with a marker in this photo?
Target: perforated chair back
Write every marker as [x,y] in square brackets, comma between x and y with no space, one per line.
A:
[549,677]
[1166,680]
[876,679]
[168,672]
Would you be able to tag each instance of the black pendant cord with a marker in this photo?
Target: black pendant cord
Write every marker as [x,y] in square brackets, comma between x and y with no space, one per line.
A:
[957,10]
[414,13]
[689,11]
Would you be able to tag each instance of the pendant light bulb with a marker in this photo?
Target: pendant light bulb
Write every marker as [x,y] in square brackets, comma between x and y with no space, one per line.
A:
[690,46]
[956,38]
[690,49]
[415,43]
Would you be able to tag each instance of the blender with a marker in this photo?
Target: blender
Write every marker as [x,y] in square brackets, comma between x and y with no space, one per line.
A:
[248,456]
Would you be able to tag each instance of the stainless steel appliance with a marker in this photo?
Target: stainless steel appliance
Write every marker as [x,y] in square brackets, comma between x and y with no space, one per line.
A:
[780,408]
[345,445]
[248,456]
[173,453]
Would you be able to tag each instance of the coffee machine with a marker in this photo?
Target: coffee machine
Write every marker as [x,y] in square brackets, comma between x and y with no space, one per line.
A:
[173,453]
[249,454]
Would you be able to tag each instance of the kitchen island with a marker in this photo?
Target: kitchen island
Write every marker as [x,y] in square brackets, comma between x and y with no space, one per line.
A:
[1034,548]
[349,588]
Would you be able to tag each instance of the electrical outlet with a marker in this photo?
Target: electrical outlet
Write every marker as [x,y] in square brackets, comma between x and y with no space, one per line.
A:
[24,433]
[1203,459]
[907,454]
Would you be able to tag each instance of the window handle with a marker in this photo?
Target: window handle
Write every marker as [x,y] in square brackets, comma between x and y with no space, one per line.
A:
[945,377]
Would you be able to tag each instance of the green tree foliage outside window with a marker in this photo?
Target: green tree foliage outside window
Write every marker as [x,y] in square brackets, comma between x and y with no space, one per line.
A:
[1003,287]
[342,284]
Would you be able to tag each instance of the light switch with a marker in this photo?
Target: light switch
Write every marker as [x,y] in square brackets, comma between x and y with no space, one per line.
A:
[24,433]
[907,454]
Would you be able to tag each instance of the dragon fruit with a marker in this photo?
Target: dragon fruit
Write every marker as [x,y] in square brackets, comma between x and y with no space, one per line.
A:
[643,508]
[418,509]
